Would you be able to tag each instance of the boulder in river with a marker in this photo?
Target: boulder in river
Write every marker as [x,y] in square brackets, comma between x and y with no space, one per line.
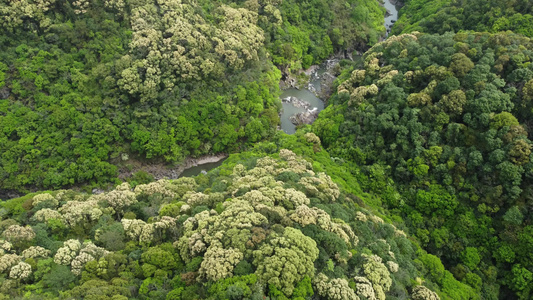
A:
[306,117]
[326,84]
[298,103]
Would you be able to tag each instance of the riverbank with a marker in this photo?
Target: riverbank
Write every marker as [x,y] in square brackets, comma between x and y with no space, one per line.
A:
[132,166]
[161,170]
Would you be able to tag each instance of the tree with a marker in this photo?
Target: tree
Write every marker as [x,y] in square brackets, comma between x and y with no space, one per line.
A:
[436,201]
[219,263]
[286,259]
[336,289]
[461,64]
[471,257]
[421,292]
[521,281]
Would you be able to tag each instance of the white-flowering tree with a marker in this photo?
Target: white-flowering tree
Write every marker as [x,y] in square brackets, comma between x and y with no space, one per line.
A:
[7,261]
[286,259]
[68,252]
[421,292]
[15,13]
[21,270]
[5,247]
[19,236]
[119,199]
[364,288]
[44,201]
[219,263]
[81,213]
[161,187]
[335,289]
[45,214]
[378,274]
[36,252]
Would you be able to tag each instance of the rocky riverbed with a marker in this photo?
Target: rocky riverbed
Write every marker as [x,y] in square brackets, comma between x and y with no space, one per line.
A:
[306,117]
[302,101]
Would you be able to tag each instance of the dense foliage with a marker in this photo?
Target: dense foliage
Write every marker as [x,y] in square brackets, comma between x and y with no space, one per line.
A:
[258,226]
[432,133]
[85,85]
[105,79]
[311,31]
[440,16]
[440,127]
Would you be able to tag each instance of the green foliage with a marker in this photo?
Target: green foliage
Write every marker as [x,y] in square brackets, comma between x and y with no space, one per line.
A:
[513,216]
[265,238]
[437,201]
[440,16]
[438,125]
[73,117]
[305,33]
[521,281]
[303,289]
[471,257]
[159,258]
[59,278]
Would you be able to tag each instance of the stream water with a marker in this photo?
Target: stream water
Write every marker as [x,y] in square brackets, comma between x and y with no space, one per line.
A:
[196,170]
[393,15]
[302,94]
[310,93]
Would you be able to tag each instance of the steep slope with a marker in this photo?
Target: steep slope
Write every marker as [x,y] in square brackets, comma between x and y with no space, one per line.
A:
[440,16]
[261,225]
[85,85]
[440,127]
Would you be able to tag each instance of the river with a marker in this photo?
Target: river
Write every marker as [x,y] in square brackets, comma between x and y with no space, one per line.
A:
[196,170]
[393,15]
[304,94]
[310,93]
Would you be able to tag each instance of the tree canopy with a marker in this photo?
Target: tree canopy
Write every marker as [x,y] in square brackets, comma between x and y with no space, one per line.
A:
[439,125]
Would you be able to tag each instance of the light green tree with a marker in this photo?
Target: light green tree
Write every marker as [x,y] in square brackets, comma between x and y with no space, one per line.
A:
[286,259]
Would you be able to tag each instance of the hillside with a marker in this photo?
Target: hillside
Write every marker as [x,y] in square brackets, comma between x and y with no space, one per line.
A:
[415,181]
[261,225]
[439,125]
[84,86]
[440,16]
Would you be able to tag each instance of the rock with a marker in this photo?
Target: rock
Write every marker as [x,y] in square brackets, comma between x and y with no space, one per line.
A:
[311,88]
[288,82]
[307,117]
[296,102]
[311,70]
[9,194]
[4,93]
[330,63]
[326,84]
[97,191]
[349,56]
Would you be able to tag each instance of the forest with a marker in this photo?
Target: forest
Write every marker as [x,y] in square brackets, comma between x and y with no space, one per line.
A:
[441,16]
[87,84]
[438,125]
[415,182]
[269,222]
